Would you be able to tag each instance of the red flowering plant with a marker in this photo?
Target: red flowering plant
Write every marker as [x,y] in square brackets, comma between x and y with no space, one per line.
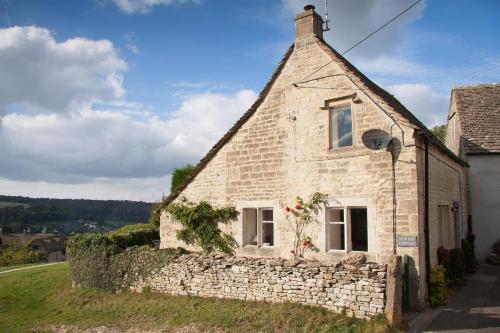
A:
[300,215]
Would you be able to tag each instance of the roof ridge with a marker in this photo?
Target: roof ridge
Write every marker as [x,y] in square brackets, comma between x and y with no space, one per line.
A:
[476,86]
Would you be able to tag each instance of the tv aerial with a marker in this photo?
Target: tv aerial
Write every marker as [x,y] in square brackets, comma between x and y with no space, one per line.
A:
[326,28]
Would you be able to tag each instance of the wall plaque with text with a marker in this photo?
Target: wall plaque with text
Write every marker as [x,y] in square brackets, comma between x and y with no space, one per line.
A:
[407,241]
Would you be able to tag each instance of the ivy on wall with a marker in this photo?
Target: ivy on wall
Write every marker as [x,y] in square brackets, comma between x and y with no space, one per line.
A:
[199,225]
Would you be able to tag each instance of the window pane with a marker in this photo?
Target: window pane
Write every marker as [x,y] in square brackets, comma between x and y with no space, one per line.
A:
[267,234]
[341,127]
[335,215]
[359,229]
[250,226]
[267,215]
[336,236]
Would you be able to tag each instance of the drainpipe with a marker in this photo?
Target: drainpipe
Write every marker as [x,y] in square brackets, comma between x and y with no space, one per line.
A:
[426,216]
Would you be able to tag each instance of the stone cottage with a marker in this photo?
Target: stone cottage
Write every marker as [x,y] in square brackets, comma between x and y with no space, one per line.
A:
[320,125]
[473,133]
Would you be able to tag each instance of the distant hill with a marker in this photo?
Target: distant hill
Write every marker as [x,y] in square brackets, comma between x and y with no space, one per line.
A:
[69,215]
[4,204]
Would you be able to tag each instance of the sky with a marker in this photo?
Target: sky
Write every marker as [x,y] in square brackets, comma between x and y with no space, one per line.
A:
[102,99]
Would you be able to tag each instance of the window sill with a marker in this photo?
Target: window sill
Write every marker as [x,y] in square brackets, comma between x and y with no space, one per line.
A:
[336,251]
[345,252]
[248,246]
[332,150]
[344,152]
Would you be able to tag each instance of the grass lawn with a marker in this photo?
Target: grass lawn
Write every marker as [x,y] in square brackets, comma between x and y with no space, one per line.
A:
[43,295]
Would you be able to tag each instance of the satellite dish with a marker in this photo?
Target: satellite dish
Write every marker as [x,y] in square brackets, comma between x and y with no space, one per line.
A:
[376,139]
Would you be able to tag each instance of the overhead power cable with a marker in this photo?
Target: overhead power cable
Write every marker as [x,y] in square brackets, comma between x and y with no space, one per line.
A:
[362,40]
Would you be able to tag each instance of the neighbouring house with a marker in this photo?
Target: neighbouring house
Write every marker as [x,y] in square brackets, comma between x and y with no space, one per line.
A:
[473,133]
[320,125]
[52,245]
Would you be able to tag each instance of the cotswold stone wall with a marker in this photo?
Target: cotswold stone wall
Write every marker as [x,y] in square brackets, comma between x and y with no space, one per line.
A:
[357,287]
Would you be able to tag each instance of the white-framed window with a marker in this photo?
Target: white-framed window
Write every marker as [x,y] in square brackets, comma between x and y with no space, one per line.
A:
[335,229]
[258,227]
[347,229]
[340,127]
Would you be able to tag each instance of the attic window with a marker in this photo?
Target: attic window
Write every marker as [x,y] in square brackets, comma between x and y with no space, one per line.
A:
[340,127]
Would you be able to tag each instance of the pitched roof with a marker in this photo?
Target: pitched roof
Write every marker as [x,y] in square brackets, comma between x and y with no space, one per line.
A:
[346,66]
[478,108]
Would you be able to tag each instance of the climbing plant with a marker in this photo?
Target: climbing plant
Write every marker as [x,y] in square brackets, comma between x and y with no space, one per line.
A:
[199,225]
[300,215]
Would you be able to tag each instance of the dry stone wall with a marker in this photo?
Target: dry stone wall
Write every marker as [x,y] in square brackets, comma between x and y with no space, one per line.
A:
[353,285]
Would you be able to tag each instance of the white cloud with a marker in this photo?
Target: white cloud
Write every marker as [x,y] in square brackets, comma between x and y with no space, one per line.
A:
[145,6]
[426,104]
[396,68]
[143,189]
[44,75]
[67,131]
[352,20]
[57,148]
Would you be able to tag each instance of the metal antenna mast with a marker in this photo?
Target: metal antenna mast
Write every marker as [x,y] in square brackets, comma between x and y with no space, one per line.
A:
[326,28]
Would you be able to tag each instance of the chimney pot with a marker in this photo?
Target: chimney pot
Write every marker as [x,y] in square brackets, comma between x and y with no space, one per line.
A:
[308,24]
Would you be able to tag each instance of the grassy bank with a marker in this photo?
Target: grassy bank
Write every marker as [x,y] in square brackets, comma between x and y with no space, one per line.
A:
[42,295]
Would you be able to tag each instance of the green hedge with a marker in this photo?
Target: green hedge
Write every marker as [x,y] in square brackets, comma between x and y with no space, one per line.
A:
[89,260]
[113,260]
[133,235]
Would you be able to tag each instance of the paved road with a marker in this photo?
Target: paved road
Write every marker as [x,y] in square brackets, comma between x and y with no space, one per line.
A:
[475,308]
[29,267]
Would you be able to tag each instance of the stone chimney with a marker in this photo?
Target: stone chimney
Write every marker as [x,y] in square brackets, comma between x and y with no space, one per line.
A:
[308,23]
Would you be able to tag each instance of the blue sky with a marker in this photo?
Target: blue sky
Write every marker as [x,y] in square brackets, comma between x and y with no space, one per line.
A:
[86,82]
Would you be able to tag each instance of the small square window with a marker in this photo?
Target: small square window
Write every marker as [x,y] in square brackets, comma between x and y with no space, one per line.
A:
[258,226]
[347,229]
[340,127]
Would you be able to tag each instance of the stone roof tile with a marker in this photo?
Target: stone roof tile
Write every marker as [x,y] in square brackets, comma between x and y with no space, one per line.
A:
[479,110]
